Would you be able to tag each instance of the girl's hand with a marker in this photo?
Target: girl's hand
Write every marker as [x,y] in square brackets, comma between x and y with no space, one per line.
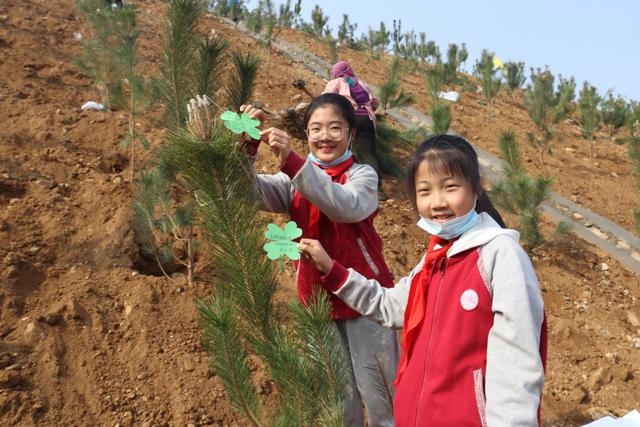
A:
[254,113]
[314,250]
[279,141]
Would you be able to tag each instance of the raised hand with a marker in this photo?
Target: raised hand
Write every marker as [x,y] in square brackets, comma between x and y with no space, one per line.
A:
[279,141]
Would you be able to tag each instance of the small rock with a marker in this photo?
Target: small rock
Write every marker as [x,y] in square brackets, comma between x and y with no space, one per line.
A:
[128,309]
[615,175]
[621,373]
[599,378]
[604,266]
[187,365]
[577,396]
[33,250]
[633,319]
[296,97]
[577,216]
[118,180]
[636,342]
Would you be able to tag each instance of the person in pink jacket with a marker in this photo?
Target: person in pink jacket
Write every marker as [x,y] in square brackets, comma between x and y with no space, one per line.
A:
[471,312]
[345,83]
[333,199]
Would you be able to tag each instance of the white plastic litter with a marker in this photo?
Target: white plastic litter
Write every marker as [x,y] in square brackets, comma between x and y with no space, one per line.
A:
[91,105]
[632,419]
[452,96]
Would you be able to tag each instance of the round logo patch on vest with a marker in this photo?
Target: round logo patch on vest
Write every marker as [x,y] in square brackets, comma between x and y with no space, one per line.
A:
[469,300]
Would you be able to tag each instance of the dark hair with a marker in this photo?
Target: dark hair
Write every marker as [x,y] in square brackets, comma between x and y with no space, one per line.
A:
[338,102]
[454,156]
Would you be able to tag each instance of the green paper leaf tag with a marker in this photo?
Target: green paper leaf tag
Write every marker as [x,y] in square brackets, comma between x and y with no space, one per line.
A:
[241,123]
[282,244]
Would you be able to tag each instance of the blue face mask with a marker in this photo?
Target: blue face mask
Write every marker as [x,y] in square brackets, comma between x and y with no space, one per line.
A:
[452,228]
[335,162]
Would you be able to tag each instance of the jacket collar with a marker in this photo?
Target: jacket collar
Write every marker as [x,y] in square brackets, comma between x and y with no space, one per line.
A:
[483,231]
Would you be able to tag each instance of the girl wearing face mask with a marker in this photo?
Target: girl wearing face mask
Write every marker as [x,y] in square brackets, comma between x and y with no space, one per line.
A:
[334,201]
[473,330]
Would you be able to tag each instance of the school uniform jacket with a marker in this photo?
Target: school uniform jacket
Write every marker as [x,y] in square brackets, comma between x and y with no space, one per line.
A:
[478,357]
[348,204]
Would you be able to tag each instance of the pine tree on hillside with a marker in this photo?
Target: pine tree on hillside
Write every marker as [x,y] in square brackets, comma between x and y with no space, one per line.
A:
[633,140]
[179,55]
[346,31]
[519,194]
[615,111]
[288,16]
[513,73]
[318,27]
[441,116]
[589,113]
[131,93]
[99,57]
[486,71]
[391,94]
[565,94]
[539,100]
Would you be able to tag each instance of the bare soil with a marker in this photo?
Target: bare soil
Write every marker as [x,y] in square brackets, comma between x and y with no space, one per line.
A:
[90,337]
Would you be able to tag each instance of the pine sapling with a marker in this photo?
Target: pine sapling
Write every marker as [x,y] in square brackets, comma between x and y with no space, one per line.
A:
[131,93]
[486,71]
[513,73]
[179,55]
[633,140]
[99,56]
[319,22]
[565,94]
[346,31]
[305,361]
[243,77]
[519,194]
[589,114]
[288,17]
[441,116]
[392,95]
[615,110]
[539,100]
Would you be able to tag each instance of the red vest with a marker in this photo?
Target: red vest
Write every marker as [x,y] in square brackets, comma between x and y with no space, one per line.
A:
[356,245]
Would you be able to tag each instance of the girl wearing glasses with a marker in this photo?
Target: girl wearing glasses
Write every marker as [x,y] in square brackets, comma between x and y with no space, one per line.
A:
[334,200]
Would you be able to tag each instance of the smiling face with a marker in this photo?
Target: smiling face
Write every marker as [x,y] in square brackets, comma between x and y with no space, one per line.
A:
[328,134]
[441,196]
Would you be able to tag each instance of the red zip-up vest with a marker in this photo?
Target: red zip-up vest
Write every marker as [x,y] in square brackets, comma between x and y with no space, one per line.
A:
[356,245]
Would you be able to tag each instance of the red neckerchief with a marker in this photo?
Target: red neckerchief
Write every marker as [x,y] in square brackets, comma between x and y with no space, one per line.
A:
[417,303]
[314,213]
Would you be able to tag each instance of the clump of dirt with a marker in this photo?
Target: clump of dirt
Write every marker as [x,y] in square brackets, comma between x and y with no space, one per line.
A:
[88,339]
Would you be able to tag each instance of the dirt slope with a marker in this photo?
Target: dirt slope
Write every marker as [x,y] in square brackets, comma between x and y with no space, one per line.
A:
[86,339]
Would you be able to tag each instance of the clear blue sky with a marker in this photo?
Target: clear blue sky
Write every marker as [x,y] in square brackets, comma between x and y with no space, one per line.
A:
[593,40]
